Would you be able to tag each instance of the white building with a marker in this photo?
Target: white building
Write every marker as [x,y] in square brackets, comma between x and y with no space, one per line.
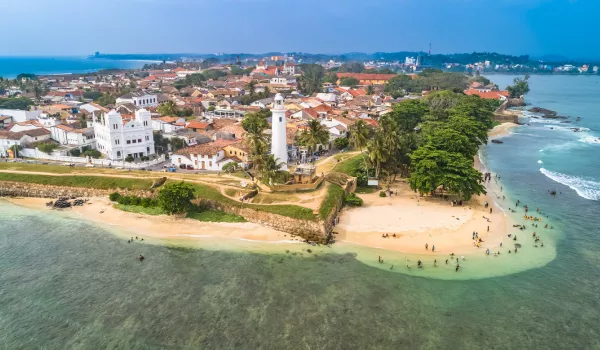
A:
[283,79]
[66,135]
[410,61]
[208,156]
[139,99]
[19,115]
[279,132]
[117,138]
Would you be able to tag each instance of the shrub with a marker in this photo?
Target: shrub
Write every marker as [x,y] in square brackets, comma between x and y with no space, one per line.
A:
[47,147]
[129,158]
[341,143]
[354,200]
[176,198]
[230,167]
[75,152]
[382,194]
[114,197]
[145,158]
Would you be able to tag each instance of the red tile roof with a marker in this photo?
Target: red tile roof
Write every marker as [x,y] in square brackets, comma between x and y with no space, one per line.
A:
[494,95]
[197,125]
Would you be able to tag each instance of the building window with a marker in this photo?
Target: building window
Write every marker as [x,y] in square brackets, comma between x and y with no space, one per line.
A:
[116,142]
[280,119]
[118,154]
[210,164]
[133,140]
[140,140]
[128,142]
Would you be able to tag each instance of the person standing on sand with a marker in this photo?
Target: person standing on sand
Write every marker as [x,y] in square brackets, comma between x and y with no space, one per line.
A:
[490,210]
[433,248]
[426,246]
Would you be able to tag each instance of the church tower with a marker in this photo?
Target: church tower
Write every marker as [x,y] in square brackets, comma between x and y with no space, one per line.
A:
[278,135]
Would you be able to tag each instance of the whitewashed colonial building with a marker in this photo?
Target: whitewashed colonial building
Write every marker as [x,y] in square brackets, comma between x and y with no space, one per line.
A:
[139,99]
[117,138]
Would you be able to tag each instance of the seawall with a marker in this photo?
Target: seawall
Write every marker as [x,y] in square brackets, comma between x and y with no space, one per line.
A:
[316,231]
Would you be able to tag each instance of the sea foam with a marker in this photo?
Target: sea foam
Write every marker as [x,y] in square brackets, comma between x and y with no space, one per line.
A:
[585,187]
[592,140]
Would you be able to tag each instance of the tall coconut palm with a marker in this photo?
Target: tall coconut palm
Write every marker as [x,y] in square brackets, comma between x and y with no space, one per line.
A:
[360,133]
[270,168]
[315,135]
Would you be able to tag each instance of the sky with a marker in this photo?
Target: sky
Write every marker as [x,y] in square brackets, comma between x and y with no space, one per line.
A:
[81,27]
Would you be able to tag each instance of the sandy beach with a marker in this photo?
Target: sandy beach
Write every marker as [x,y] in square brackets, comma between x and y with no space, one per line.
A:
[160,227]
[501,130]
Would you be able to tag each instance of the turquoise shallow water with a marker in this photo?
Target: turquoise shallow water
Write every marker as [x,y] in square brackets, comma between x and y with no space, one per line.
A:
[10,67]
[65,284]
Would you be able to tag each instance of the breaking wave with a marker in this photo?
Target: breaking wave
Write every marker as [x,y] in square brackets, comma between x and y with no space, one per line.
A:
[585,187]
[591,140]
[566,128]
[540,162]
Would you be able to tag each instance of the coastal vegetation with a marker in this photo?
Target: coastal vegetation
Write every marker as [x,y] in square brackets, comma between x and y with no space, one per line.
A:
[432,142]
[335,196]
[83,181]
[519,88]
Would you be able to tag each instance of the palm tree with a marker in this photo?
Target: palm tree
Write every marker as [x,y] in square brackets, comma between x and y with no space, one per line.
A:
[270,168]
[251,86]
[384,145]
[360,133]
[315,135]
[369,90]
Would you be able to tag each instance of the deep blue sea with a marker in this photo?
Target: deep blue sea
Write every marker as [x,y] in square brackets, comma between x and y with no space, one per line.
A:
[67,284]
[10,67]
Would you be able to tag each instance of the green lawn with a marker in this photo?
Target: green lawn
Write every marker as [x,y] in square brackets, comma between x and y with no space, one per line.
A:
[215,216]
[349,166]
[293,211]
[140,210]
[99,182]
[334,193]
[44,168]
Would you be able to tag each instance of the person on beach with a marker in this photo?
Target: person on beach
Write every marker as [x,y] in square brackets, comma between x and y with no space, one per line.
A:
[141,258]
[490,210]
[457,267]
[433,248]
[426,246]
[446,261]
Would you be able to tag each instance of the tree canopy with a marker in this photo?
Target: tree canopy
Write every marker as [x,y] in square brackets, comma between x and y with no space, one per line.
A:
[408,114]
[21,103]
[175,198]
[312,78]
[519,88]
[349,81]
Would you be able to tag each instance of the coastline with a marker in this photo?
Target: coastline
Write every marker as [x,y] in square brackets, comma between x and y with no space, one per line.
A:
[415,222]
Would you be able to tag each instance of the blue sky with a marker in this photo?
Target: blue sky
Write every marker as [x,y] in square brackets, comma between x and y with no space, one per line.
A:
[73,27]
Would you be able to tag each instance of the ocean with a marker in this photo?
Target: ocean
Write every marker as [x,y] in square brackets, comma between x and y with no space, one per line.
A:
[10,67]
[67,284]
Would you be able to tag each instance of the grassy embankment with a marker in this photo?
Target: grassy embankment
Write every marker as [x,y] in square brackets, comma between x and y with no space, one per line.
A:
[118,183]
[350,167]
[334,194]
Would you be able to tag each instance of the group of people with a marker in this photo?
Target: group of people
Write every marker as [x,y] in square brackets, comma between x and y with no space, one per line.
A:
[387,235]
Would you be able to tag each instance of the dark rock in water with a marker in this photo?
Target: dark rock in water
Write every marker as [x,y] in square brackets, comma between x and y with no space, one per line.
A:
[578,119]
[566,121]
[544,111]
[517,245]
[497,141]
[556,117]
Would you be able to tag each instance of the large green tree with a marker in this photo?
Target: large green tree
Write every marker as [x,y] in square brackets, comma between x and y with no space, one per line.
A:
[349,81]
[432,168]
[311,79]
[168,108]
[408,114]
[176,198]
[480,109]
[519,88]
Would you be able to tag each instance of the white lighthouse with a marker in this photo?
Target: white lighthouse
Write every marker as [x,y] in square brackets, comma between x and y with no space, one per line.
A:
[278,132]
